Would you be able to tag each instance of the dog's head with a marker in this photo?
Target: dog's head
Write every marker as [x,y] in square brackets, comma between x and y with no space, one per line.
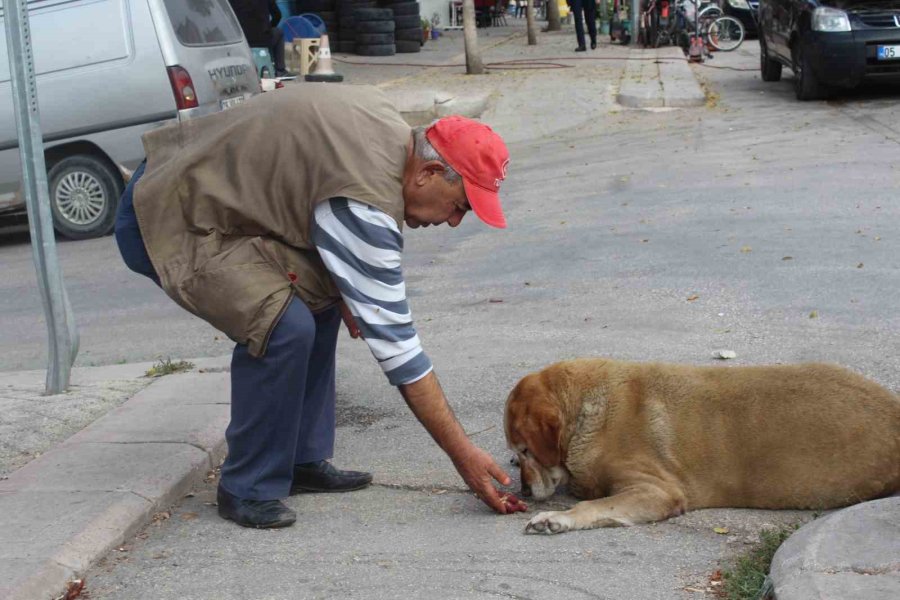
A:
[534,428]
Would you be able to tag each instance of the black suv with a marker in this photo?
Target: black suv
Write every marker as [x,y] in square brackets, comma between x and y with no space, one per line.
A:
[828,43]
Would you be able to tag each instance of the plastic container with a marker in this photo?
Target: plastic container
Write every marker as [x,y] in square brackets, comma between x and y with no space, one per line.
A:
[307,25]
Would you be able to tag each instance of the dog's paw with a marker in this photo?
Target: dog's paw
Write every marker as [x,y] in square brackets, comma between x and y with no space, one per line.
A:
[550,522]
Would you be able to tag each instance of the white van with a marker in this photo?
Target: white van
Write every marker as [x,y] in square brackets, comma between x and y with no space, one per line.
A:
[107,71]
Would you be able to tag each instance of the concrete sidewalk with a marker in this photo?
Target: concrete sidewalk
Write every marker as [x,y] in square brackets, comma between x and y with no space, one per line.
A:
[657,78]
[76,502]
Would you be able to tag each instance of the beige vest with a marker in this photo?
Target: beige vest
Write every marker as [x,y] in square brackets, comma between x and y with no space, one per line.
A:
[226,200]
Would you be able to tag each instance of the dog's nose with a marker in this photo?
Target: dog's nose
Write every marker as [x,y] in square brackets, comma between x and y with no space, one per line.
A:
[526,490]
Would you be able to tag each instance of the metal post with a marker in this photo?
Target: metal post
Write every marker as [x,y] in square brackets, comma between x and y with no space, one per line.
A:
[63,336]
[635,18]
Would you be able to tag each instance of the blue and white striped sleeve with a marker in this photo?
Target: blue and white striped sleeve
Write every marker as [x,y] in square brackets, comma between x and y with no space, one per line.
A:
[362,248]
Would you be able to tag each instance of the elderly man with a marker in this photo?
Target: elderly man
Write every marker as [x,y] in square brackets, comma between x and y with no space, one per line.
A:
[275,219]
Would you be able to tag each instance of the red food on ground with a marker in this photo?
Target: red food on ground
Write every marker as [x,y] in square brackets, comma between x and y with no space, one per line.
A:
[513,504]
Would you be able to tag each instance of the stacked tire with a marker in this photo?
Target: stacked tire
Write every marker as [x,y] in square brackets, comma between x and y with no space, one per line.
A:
[407,25]
[347,23]
[327,11]
[374,31]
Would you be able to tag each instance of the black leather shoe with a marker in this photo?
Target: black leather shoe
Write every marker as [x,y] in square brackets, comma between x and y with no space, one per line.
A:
[321,476]
[594,45]
[261,514]
[580,49]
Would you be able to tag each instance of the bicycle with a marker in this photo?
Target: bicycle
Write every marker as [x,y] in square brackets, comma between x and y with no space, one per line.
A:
[711,26]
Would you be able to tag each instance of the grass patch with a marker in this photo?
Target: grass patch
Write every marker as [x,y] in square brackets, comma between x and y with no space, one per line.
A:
[744,579]
[167,367]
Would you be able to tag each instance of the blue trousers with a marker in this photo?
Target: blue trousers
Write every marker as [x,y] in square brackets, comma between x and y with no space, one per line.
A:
[282,403]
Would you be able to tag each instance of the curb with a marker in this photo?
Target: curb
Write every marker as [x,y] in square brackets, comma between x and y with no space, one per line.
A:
[659,78]
[423,107]
[70,507]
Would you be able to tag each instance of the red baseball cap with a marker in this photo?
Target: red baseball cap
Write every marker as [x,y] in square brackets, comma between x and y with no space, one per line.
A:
[479,155]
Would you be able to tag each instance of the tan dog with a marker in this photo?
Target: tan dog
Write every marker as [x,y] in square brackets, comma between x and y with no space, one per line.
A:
[650,441]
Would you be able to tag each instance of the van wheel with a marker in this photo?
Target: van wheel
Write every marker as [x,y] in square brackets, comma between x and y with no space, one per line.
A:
[769,69]
[84,195]
[806,85]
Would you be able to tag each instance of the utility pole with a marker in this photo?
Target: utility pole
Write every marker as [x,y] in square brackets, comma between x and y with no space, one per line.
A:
[635,18]
[532,27]
[63,336]
[474,66]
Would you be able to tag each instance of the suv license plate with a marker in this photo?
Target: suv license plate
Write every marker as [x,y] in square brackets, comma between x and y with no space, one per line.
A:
[229,102]
[888,52]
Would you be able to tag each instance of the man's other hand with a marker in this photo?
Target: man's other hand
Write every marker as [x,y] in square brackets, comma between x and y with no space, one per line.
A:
[347,316]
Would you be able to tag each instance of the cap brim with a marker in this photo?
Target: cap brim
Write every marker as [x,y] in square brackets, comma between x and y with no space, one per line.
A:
[486,204]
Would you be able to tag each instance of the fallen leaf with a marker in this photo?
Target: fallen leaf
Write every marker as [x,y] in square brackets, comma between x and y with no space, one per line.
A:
[746,249]
[495,300]
[189,516]
[814,314]
[787,258]
[721,530]
[859,266]
[692,297]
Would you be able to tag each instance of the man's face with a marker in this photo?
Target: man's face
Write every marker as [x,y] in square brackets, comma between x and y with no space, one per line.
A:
[430,200]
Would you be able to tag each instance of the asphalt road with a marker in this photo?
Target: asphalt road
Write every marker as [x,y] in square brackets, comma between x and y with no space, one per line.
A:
[757,224]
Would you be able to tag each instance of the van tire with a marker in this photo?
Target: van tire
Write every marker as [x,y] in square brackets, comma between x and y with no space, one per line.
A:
[769,68]
[79,178]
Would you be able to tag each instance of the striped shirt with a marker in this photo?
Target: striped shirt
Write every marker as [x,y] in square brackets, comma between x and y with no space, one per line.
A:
[361,246]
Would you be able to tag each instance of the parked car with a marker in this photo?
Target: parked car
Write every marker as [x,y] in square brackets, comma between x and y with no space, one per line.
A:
[828,43]
[744,11]
[107,71]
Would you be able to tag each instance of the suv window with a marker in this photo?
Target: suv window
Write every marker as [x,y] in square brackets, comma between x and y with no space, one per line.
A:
[203,22]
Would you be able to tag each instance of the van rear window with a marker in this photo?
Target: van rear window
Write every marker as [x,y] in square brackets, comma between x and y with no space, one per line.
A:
[203,22]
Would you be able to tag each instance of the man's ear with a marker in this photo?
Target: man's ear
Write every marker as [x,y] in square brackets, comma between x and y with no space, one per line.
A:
[429,169]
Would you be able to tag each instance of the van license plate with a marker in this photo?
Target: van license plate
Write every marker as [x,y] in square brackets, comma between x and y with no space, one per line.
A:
[888,52]
[229,102]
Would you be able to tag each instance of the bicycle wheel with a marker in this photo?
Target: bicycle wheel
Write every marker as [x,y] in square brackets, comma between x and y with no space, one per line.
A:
[725,33]
[710,12]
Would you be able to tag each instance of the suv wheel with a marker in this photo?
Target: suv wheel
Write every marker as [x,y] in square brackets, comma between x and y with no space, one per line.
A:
[84,194]
[769,69]
[806,85]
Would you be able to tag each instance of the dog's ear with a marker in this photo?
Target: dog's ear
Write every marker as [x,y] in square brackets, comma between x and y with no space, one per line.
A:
[546,443]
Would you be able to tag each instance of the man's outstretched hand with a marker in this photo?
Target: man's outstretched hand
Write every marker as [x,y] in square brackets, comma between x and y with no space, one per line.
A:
[479,471]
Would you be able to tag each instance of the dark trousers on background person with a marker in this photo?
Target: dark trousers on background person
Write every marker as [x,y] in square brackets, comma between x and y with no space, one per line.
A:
[282,404]
[276,47]
[589,9]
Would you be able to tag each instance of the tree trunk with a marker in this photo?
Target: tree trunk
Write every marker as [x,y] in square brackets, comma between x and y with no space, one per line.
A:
[532,28]
[474,66]
[553,23]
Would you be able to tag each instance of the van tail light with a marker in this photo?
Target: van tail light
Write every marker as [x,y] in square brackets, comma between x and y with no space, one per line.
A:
[183,88]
